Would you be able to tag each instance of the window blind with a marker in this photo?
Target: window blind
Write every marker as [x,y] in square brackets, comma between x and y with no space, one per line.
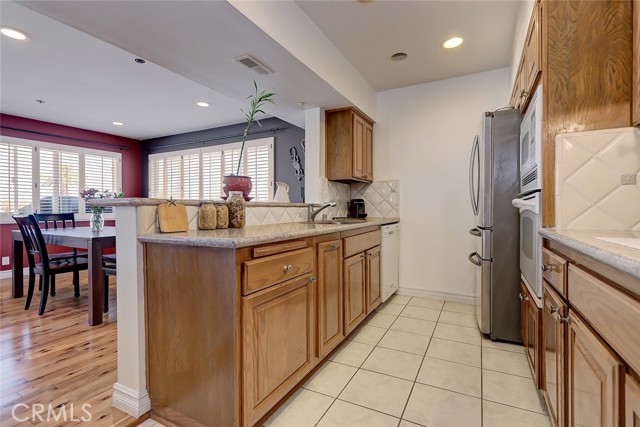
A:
[101,172]
[16,178]
[59,183]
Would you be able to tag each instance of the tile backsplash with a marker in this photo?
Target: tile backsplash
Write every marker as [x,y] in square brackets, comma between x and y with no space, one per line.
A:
[381,198]
[590,168]
[338,192]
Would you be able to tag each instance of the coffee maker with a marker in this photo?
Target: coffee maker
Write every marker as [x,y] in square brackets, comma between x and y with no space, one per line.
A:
[356,209]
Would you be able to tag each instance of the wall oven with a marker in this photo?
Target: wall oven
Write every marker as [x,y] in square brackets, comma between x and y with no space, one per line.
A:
[531,243]
[531,146]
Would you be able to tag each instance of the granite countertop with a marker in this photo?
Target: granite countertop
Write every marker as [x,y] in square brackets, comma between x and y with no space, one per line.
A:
[256,234]
[622,258]
[144,201]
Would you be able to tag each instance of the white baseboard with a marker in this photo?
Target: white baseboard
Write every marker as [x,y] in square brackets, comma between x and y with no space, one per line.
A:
[130,401]
[443,296]
[7,274]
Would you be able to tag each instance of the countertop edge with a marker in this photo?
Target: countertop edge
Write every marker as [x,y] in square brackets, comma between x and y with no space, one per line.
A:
[625,264]
[243,242]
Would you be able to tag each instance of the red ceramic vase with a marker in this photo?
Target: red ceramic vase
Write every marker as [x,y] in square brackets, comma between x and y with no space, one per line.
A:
[237,183]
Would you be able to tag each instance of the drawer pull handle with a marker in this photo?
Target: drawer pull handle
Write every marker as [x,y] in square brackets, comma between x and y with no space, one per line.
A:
[523,297]
[334,246]
[552,309]
[287,268]
[545,267]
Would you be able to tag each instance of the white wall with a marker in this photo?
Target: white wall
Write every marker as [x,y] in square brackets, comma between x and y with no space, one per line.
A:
[519,35]
[423,138]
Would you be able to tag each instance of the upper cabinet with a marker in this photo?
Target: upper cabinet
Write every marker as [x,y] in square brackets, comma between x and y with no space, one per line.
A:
[530,63]
[635,113]
[349,146]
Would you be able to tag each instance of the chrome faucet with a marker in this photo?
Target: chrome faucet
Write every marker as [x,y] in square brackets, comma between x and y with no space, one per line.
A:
[314,210]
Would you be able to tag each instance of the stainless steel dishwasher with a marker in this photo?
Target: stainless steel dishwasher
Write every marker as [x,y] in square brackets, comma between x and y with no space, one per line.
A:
[389,249]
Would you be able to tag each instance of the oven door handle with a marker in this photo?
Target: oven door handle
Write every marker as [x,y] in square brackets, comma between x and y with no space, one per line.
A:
[475,259]
[526,205]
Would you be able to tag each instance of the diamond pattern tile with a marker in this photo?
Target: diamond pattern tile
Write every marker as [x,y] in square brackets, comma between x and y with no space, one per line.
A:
[380,198]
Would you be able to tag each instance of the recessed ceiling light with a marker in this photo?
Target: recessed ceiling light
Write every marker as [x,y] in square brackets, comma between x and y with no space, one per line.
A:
[202,104]
[364,1]
[118,123]
[399,56]
[452,42]
[13,33]
[140,60]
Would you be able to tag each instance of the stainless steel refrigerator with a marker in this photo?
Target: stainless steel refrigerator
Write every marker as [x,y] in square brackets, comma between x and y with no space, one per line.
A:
[493,183]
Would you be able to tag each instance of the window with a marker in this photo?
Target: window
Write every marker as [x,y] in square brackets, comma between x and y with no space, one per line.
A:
[48,178]
[198,174]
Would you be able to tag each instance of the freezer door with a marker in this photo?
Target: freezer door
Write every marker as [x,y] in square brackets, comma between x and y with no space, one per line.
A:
[483,292]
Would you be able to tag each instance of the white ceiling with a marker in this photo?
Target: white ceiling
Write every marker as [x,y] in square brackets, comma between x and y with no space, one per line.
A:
[80,58]
[367,34]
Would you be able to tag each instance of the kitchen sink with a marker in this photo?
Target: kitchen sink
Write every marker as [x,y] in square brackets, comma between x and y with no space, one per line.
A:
[339,221]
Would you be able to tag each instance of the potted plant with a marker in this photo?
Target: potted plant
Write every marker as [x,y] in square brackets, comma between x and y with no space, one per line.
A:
[237,182]
[97,219]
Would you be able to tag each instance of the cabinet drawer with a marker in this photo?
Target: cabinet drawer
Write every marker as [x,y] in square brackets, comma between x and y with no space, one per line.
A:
[554,270]
[361,242]
[615,315]
[260,273]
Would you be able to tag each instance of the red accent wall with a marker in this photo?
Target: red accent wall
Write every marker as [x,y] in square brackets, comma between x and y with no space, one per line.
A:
[131,158]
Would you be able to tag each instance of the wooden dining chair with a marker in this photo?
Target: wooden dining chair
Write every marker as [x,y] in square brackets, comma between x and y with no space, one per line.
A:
[60,220]
[109,269]
[40,263]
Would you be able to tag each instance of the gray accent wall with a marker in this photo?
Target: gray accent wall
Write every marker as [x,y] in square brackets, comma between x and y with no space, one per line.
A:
[285,136]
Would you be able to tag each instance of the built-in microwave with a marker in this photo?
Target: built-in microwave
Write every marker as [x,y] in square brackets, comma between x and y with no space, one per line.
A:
[531,145]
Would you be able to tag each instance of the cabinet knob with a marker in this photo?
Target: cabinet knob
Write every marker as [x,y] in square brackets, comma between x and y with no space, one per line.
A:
[523,297]
[523,94]
[313,279]
[287,268]
[551,309]
[566,320]
[545,267]
[334,246]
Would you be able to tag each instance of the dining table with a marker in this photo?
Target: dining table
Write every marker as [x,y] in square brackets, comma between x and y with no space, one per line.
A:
[77,237]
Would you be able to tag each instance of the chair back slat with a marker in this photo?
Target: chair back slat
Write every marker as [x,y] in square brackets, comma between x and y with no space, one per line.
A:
[32,237]
[54,219]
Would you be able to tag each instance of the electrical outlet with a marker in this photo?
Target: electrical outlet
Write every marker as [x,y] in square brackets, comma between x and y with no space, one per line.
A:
[5,260]
[628,179]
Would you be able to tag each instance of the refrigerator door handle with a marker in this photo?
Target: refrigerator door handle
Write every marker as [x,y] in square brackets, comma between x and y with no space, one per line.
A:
[473,192]
[475,232]
[475,259]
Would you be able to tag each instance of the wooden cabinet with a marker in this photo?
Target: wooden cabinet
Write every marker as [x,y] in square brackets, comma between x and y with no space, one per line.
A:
[373,278]
[594,374]
[635,108]
[349,146]
[277,332]
[330,325]
[530,330]
[529,69]
[355,295]
[631,402]
[554,318]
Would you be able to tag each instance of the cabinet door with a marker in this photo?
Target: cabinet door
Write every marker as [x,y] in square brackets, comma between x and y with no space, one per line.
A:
[635,113]
[594,378]
[355,301]
[368,146]
[531,322]
[330,323]
[631,402]
[373,278]
[553,351]
[358,146]
[277,344]
[533,52]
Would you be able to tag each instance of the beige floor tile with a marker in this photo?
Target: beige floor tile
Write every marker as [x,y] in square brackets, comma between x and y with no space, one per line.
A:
[304,408]
[405,423]
[459,307]
[420,313]
[451,376]
[511,390]
[381,320]
[505,361]
[458,333]
[149,423]
[497,415]
[378,392]
[342,414]
[390,308]
[506,346]
[404,341]
[352,353]
[398,299]
[330,379]
[426,302]
[457,352]
[435,407]
[460,319]
[414,326]
[392,362]
[368,335]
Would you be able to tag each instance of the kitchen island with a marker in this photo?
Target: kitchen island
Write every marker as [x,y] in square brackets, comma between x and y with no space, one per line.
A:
[236,319]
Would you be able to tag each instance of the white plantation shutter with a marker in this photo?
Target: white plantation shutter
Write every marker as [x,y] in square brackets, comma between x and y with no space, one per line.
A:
[16,178]
[101,172]
[59,183]
[198,174]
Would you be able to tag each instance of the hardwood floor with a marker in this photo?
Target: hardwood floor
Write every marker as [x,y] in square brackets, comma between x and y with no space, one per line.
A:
[57,359]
